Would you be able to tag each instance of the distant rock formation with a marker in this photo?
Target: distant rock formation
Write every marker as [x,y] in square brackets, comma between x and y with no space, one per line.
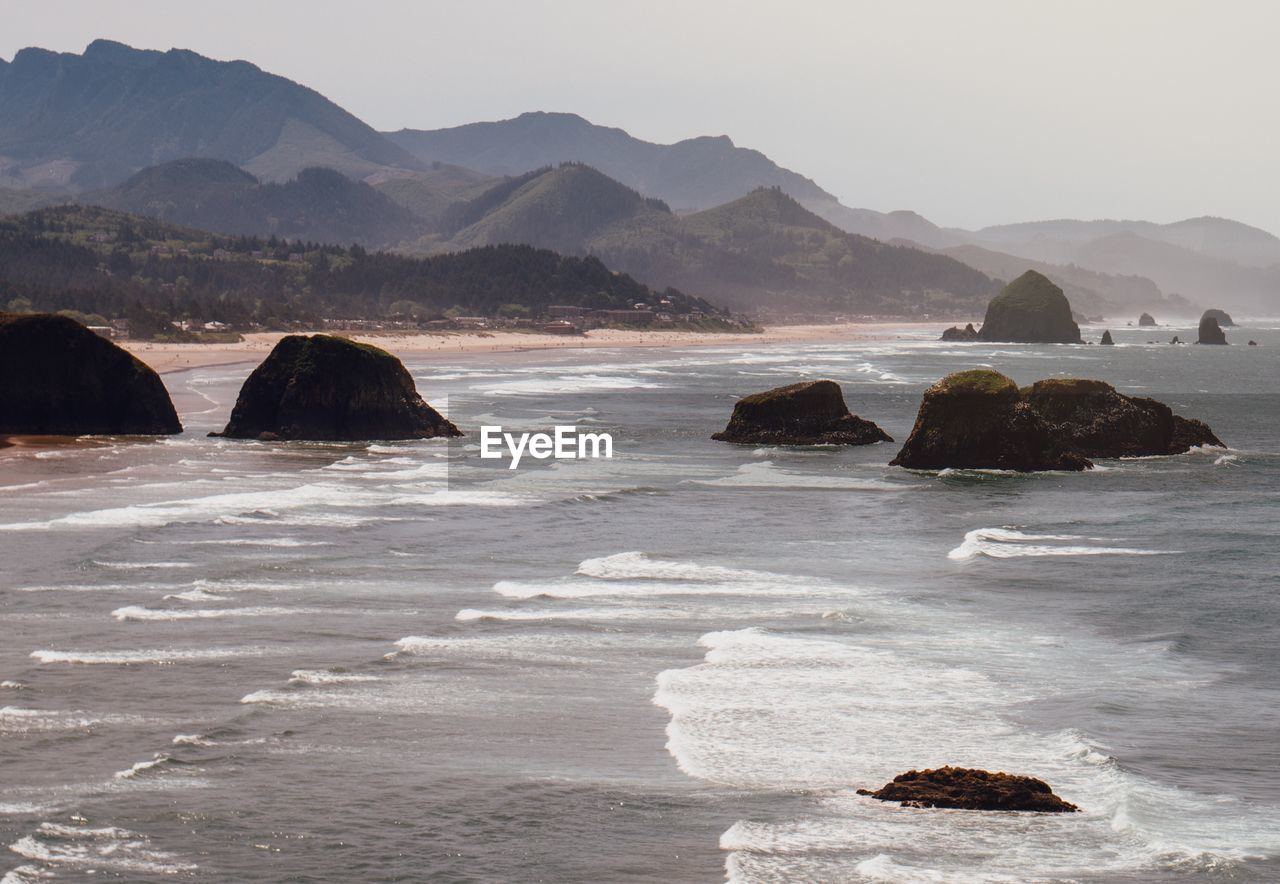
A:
[1210,331]
[1146,319]
[979,420]
[808,413]
[331,389]
[1176,340]
[1106,339]
[1223,317]
[955,333]
[1093,419]
[1030,310]
[1253,343]
[970,789]
[57,378]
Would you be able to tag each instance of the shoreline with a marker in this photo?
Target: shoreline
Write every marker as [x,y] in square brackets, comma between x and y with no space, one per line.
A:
[170,358]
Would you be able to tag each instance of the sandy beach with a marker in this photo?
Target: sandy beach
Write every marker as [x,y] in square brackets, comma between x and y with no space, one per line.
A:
[166,358]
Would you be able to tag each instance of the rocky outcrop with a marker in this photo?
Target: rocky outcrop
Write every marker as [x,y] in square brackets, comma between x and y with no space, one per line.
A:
[1210,331]
[1106,339]
[1030,310]
[57,378]
[971,789]
[1146,319]
[1093,419]
[1176,340]
[331,389]
[979,420]
[956,333]
[1223,317]
[808,413]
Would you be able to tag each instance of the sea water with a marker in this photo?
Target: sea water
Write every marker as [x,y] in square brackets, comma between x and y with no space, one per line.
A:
[237,660]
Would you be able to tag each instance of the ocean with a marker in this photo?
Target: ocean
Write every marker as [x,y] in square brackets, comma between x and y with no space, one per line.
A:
[226,660]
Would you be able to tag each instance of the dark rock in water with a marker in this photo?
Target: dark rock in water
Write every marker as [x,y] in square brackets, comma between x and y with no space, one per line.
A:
[57,378]
[1176,340]
[1093,419]
[1223,317]
[955,333]
[1146,319]
[1106,339]
[979,420]
[809,413]
[970,789]
[1253,343]
[1030,310]
[332,389]
[1211,332]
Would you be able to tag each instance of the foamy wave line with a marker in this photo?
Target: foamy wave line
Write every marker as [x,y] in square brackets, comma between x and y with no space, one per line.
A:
[1007,543]
[136,612]
[140,767]
[639,566]
[322,677]
[116,851]
[159,655]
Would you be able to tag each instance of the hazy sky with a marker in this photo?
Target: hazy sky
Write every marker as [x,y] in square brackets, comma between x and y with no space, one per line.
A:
[969,112]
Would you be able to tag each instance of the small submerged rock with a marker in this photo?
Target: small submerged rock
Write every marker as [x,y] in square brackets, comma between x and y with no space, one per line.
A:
[955,333]
[1030,310]
[971,789]
[978,420]
[808,413]
[325,388]
[1210,331]
[1106,339]
[58,378]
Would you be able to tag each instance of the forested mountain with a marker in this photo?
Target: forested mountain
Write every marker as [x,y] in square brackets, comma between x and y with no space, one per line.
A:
[320,205]
[88,121]
[101,261]
[764,250]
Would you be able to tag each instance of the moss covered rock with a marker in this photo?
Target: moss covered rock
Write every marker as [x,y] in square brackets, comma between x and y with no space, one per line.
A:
[979,420]
[326,388]
[808,413]
[971,789]
[1094,419]
[57,378]
[1030,310]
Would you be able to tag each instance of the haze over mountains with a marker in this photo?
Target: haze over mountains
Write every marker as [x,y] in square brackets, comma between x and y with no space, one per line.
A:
[107,126]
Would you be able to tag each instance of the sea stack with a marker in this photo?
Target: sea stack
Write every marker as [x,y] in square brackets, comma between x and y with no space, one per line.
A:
[978,420]
[1030,310]
[1106,339]
[971,789]
[1223,317]
[808,413]
[57,378]
[955,333]
[1210,331]
[331,389]
[1093,419]
[1146,319]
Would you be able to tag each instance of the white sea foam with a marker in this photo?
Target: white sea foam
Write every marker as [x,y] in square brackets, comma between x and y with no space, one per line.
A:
[12,685]
[137,612]
[764,474]
[640,566]
[158,655]
[778,712]
[1008,543]
[17,720]
[141,767]
[114,852]
[575,383]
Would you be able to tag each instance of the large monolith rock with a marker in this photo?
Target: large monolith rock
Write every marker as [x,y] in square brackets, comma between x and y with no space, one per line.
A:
[1106,339]
[1210,331]
[967,788]
[1146,319]
[1223,317]
[1094,419]
[1030,310]
[58,378]
[808,413]
[979,420]
[326,388]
